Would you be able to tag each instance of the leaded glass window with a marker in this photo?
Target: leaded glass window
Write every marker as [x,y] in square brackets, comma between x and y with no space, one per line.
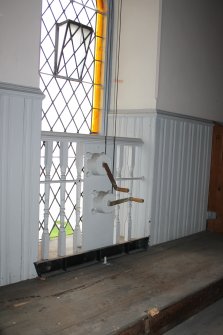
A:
[73,36]
[72,51]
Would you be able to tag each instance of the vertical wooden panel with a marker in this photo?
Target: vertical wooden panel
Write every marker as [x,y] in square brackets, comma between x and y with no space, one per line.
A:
[182,160]
[4,122]
[140,125]
[14,187]
[175,163]
[20,113]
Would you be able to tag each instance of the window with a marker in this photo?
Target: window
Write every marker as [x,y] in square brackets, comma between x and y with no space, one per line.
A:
[72,59]
[71,49]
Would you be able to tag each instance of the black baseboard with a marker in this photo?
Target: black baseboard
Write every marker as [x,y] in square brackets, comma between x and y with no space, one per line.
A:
[64,263]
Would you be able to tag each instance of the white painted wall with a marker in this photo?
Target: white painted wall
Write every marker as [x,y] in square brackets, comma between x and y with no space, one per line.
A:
[138,54]
[20,122]
[136,123]
[191,53]
[181,177]
[19,41]
[176,166]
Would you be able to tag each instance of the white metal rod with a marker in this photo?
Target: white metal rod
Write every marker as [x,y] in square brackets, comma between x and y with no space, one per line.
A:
[60,181]
[81,180]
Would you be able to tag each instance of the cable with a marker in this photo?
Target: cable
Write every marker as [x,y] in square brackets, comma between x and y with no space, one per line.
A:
[116,80]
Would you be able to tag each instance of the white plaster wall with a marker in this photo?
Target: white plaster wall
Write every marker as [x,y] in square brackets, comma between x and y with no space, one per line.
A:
[138,54]
[191,53]
[19,41]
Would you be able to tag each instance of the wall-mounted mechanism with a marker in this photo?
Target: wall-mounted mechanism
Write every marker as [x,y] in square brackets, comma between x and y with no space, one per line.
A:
[112,179]
[98,218]
[102,207]
[120,189]
[121,201]
[95,164]
[101,202]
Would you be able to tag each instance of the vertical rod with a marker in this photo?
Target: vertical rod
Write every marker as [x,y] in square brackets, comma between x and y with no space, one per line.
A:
[63,168]
[45,234]
[120,154]
[131,172]
[77,237]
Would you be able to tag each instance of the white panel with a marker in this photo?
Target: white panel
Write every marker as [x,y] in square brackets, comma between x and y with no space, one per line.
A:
[97,227]
[181,178]
[4,101]
[20,116]
[139,125]
[176,164]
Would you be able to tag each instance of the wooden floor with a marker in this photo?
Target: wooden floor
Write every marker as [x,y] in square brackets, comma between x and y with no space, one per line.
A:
[107,299]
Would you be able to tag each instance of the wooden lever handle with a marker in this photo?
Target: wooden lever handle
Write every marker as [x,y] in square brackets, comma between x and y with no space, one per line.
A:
[112,179]
[121,201]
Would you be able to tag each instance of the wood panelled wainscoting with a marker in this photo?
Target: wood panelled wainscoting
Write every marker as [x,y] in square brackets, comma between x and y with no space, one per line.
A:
[176,163]
[20,126]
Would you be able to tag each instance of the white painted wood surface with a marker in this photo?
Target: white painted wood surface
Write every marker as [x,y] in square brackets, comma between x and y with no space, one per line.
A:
[175,192]
[20,124]
[181,178]
[46,234]
[119,166]
[63,168]
[176,164]
[77,236]
[137,124]
[94,226]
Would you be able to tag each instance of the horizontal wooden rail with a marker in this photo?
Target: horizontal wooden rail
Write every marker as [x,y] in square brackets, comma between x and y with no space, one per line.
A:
[70,137]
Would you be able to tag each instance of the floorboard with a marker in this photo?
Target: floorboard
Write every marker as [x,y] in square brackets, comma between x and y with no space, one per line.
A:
[117,297]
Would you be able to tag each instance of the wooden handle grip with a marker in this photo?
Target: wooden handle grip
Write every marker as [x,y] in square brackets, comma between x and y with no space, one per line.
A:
[121,201]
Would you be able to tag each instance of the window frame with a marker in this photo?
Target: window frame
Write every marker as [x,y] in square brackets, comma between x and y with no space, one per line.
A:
[103,8]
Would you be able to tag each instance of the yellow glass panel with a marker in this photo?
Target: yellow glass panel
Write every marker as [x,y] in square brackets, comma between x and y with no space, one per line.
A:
[97,74]
[101,5]
[99,50]
[96,121]
[101,23]
[97,96]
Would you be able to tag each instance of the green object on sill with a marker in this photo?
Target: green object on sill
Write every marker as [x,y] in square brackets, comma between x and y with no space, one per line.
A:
[55,231]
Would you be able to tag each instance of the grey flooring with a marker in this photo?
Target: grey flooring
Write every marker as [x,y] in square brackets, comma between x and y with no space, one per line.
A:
[101,299]
[207,322]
